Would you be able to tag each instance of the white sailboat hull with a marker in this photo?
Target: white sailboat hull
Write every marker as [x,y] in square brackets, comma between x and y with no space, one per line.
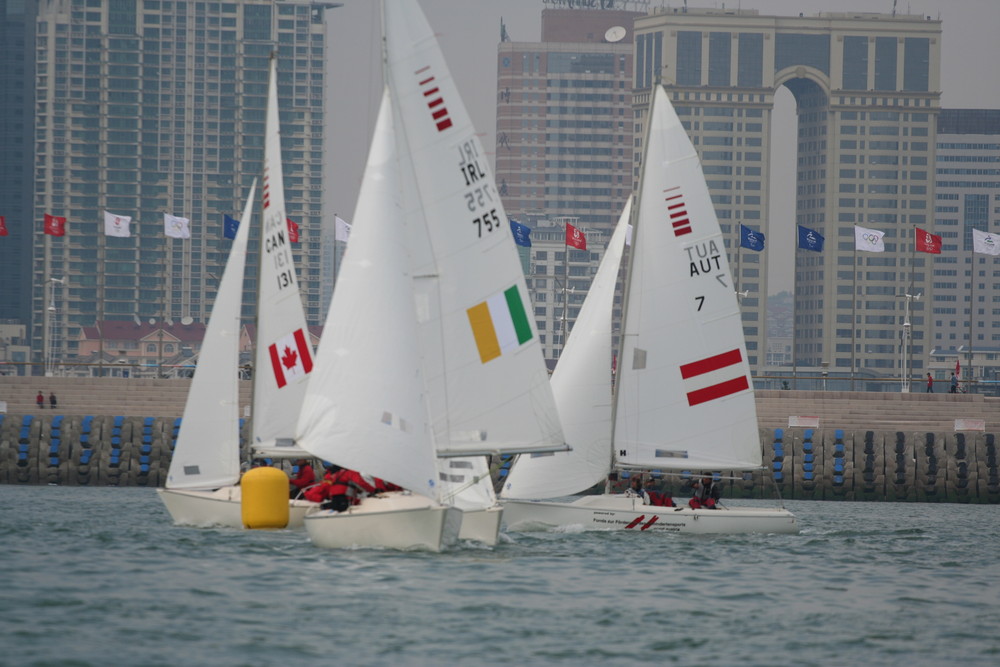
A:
[618,512]
[482,525]
[220,507]
[393,520]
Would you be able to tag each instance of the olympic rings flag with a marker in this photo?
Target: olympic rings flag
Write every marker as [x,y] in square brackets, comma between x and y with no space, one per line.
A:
[869,240]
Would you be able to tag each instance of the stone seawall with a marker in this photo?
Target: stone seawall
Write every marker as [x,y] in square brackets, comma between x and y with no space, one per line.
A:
[803,463]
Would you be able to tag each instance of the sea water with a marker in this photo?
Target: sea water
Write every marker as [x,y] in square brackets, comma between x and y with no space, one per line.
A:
[100,576]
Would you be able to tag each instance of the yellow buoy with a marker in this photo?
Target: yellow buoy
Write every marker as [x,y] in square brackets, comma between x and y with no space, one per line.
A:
[264,498]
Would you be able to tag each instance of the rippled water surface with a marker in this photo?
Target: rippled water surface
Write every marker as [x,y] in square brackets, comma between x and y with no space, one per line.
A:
[99,576]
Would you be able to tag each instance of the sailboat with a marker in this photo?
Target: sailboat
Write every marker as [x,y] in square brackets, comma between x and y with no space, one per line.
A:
[202,482]
[428,351]
[683,396]
[201,487]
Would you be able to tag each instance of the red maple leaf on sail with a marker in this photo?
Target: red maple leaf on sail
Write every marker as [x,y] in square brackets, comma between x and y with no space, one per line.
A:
[290,358]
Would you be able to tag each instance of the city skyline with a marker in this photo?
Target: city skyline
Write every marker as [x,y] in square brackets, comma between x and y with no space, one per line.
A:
[469,35]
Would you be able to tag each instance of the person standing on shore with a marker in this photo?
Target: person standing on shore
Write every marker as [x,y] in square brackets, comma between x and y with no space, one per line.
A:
[930,384]
[52,400]
[40,401]
[954,384]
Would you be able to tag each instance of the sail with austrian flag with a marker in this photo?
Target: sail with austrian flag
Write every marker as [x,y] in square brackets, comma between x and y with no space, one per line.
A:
[684,394]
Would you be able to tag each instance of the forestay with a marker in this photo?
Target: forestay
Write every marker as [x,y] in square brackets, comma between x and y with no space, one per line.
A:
[684,396]
[488,386]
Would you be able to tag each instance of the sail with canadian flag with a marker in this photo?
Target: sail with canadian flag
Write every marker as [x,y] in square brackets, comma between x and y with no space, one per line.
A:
[284,354]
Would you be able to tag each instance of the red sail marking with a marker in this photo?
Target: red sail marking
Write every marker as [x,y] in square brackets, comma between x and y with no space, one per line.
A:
[709,364]
[681,225]
[720,389]
[433,93]
[636,521]
[717,391]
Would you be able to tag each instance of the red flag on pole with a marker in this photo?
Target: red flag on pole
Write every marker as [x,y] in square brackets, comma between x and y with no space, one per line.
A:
[575,237]
[293,231]
[958,369]
[3,226]
[55,225]
[927,242]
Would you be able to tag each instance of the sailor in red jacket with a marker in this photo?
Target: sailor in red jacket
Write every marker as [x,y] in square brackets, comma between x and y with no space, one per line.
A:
[304,478]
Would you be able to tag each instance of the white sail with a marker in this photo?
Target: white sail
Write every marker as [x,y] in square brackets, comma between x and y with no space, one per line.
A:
[207,453]
[582,387]
[284,354]
[364,408]
[684,396]
[488,387]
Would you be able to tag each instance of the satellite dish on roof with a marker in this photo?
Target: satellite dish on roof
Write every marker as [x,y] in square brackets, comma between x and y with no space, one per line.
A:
[152,320]
[186,320]
[615,34]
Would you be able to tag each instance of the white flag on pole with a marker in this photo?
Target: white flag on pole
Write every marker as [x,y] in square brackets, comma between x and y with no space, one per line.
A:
[869,240]
[985,243]
[343,229]
[116,225]
[175,227]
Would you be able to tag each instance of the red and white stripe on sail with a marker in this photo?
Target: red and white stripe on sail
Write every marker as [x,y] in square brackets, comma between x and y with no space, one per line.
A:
[439,112]
[677,211]
[267,188]
[714,377]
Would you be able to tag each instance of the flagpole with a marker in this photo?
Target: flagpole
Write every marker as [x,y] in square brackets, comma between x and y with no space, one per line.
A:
[739,235]
[909,291]
[972,311]
[562,347]
[795,328]
[854,308]
[101,254]
[46,315]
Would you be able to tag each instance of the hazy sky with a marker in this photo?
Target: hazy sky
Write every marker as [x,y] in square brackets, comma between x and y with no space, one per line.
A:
[469,31]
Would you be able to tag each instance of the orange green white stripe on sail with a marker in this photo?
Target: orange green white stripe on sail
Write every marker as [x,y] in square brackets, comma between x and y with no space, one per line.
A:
[499,324]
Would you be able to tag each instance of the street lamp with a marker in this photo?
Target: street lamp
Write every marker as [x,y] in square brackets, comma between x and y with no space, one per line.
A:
[904,347]
[159,356]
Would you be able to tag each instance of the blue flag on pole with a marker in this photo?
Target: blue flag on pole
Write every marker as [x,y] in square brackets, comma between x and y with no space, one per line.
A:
[229,227]
[522,233]
[810,239]
[751,239]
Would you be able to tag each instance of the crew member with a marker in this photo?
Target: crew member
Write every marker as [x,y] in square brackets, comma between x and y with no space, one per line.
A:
[706,494]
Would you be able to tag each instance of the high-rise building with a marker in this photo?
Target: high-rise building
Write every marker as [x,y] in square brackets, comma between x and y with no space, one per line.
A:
[867,89]
[564,118]
[151,108]
[17,81]
[965,314]
[565,150]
